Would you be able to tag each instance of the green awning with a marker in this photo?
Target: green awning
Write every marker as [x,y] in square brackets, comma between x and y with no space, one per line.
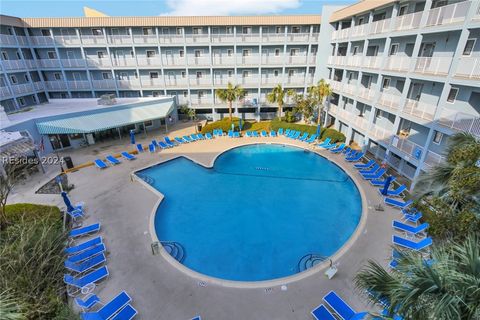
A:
[88,121]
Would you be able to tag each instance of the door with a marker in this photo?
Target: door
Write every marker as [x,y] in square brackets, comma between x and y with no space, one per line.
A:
[217,56]
[70,55]
[416,91]
[169,57]
[170,78]
[426,52]
[76,76]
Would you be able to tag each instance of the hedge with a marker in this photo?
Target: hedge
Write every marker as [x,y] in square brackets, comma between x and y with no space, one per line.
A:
[276,124]
[225,124]
[334,135]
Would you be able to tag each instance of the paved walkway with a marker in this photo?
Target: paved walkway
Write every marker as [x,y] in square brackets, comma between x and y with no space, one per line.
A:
[161,291]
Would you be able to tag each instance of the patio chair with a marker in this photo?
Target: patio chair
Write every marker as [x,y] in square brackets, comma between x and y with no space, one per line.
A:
[409,229]
[341,308]
[375,175]
[264,133]
[193,136]
[312,138]
[397,203]
[155,143]
[209,136]
[127,313]
[394,193]
[355,157]
[248,134]
[255,134]
[180,140]
[83,231]
[414,218]
[112,159]
[151,148]
[88,302]
[364,165]
[139,148]
[111,308]
[410,244]
[200,136]
[273,133]
[236,134]
[371,170]
[303,137]
[381,182]
[83,246]
[86,279]
[280,131]
[287,132]
[87,254]
[322,313]
[86,265]
[100,164]
[128,156]
[326,142]
[169,142]
[338,149]
[187,138]
[163,145]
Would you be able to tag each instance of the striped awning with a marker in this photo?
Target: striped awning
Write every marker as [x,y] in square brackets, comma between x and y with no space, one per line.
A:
[89,121]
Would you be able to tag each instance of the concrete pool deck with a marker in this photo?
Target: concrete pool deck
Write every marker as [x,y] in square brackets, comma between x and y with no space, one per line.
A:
[161,291]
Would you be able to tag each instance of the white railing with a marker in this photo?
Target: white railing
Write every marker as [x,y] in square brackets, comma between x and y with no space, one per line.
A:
[220,60]
[174,82]
[469,68]
[91,39]
[67,40]
[408,21]
[359,31]
[99,62]
[336,85]
[378,132]
[22,40]
[197,38]
[273,60]
[348,117]
[145,62]
[273,37]
[295,80]
[151,38]
[222,38]
[408,147]
[453,13]
[248,60]
[220,81]
[49,63]
[124,62]
[4,92]
[73,63]
[460,121]
[312,59]
[7,39]
[366,93]
[354,61]
[310,79]
[420,109]
[202,101]
[174,61]
[14,64]
[55,85]
[372,62]
[433,65]
[297,59]
[252,80]
[203,81]
[120,39]
[350,88]
[38,85]
[433,159]
[389,100]
[198,61]
[380,26]
[152,82]
[104,84]
[42,40]
[341,34]
[128,84]
[397,63]
[78,84]
[254,38]
[174,38]
[297,37]
[22,88]
[315,37]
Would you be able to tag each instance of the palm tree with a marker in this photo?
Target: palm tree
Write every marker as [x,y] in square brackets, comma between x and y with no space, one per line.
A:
[443,287]
[277,95]
[318,93]
[230,94]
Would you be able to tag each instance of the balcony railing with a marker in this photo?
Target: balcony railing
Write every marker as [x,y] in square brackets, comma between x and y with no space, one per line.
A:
[433,159]
[104,84]
[270,80]
[222,38]
[152,82]
[336,85]
[23,40]
[124,62]
[49,63]
[433,65]
[146,62]
[408,21]
[18,64]
[420,109]
[468,68]
[174,38]
[55,85]
[73,63]
[354,61]
[378,132]
[372,62]
[7,39]
[453,13]
[42,40]
[253,38]
[249,60]
[390,101]
[202,101]
[174,61]
[200,82]
[366,93]
[99,62]
[297,60]
[199,61]
[93,39]
[397,63]
[350,88]
[341,34]
[408,147]
[4,92]
[223,80]
[273,38]
[67,40]
[38,85]
[273,60]
[295,80]
[380,26]
[357,121]
[252,80]
[174,82]
[460,121]
[223,60]
[128,84]
[298,37]
[140,39]
[22,88]
[78,85]
[197,38]
[359,31]
[119,39]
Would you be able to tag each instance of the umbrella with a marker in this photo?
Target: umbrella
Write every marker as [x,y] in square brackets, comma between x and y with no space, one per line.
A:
[387,185]
[233,127]
[66,199]
[240,125]
[318,131]
[132,136]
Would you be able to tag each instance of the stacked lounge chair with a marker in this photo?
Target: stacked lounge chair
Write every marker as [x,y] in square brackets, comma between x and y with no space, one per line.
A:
[112,160]
[340,308]
[117,308]
[100,164]
[128,156]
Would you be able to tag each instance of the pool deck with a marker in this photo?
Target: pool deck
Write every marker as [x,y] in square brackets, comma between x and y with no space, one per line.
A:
[162,291]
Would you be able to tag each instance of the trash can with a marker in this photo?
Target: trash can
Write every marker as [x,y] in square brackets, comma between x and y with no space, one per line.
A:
[68,162]
[199,127]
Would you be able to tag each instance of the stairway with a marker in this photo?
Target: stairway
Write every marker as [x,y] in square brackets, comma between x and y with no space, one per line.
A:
[175,249]
[309,260]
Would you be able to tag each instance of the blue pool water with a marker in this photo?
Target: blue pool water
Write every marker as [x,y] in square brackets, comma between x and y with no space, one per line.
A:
[257,212]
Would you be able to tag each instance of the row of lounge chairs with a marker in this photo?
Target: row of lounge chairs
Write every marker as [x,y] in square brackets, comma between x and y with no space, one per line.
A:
[99,163]
[86,265]
[337,309]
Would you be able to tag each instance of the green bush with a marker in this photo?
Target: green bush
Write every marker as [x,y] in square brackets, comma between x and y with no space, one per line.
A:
[276,124]
[289,117]
[24,212]
[334,135]
[225,124]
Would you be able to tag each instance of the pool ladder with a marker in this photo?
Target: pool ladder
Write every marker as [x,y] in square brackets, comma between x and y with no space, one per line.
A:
[175,249]
[309,260]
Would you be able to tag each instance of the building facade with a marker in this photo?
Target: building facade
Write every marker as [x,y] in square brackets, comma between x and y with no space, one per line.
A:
[405,74]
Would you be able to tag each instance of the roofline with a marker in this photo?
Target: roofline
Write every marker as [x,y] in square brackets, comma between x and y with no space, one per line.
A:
[357,8]
[79,22]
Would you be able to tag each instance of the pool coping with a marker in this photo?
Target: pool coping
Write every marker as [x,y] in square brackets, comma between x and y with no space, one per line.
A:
[253,284]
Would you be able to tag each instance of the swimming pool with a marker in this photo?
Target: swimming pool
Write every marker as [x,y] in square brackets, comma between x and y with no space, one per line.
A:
[256,213]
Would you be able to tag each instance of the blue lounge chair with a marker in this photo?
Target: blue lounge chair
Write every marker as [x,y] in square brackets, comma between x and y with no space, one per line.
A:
[86,264]
[264,133]
[200,136]
[236,134]
[209,136]
[303,137]
[230,133]
[75,214]
[364,165]
[128,156]
[397,203]
[196,318]
[169,142]
[407,243]
[395,256]
[413,230]
[347,151]
[220,132]
[355,157]
[86,254]
[87,302]
[338,149]
[380,182]
[287,132]
[180,140]
[193,137]
[151,148]
[248,134]
[163,145]
[86,279]
[109,309]
[296,135]
[100,164]
[83,246]
[414,218]
[255,134]
[312,138]
[154,142]
[280,131]
[83,231]
[341,308]
[326,142]
[187,138]
[112,159]
[322,313]
[394,193]
[139,148]
[273,133]
[375,175]
[127,313]
[371,170]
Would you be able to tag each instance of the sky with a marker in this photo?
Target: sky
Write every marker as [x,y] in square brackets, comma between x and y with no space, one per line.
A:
[74,8]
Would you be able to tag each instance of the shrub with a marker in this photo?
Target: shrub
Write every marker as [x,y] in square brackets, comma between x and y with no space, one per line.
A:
[225,124]
[289,117]
[277,124]
[334,135]
[258,126]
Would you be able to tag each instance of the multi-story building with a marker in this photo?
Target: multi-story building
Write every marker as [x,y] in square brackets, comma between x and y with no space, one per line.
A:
[405,75]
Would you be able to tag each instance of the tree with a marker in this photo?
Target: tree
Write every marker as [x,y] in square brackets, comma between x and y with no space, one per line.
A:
[8,179]
[230,94]
[303,105]
[277,95]
[443,287]
[318,93]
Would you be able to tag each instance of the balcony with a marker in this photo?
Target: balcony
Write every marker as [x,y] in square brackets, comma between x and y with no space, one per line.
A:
[337,60]
[145,39]
[341,34]
[348,117]
[222,38]
[273,60]
[38,86]
[336,85]
[198,61]
[272,80]
[248,38]
[23,88]
[104,84]
[350,88]
[366,93]
[298,37]
[197,38]
[174,82]
[67,40]
[250,81]
[460,121]
[468,68]
[408,147]
[223,60]
[7,39]
[295,80]
[23,40]
[18,64]
[49,63]
[408,21]
[396,63]
[419,109]
[433,65]
[55,85]
[199,101]
[372,62]
[354,61]
[78,85]
[380,26]
[453,13]
[315,37]
[297,60]
[149,62]
[432,159]
[378,133]
[389,101]
[73,63]
[249,60]
[4,92]
[128,84]
[200,82]
[120,39]
[174,61]
[98,62]
[42,40]
[152,83]
[312,59]
[359,31]
[171,39]
[93,39]
[223,81]
[124,62]
[273,38]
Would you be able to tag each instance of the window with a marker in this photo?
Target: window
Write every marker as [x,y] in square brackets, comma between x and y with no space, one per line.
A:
[181,53]
[147,31]
[197,30]
[275,73]
[246,74]
[184,74]
[19,57]
[51,55]
[278,30]
[437,137]
[402,10]
[150,53]
[452,95]
[97,31]
[295,29]
[393,49]
[313,50]
[27,79]
[155,93]
[100,54]
[200,94]
[34,99]
[247,30]
[45,32]
[4,55]
[148,123]
[467,51]
[197,53]
[21,101]
[132,54]
[214,30]
[179,31]
[185,94]
[63,95]
[355,51]
[294,52]
[228,30]
[106,75]
[229,52]
[153,75]
[360,21]
[386,83]
[199,74]
[291,72]
[245,52]
[165,31]
[57,76]
[13,79]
